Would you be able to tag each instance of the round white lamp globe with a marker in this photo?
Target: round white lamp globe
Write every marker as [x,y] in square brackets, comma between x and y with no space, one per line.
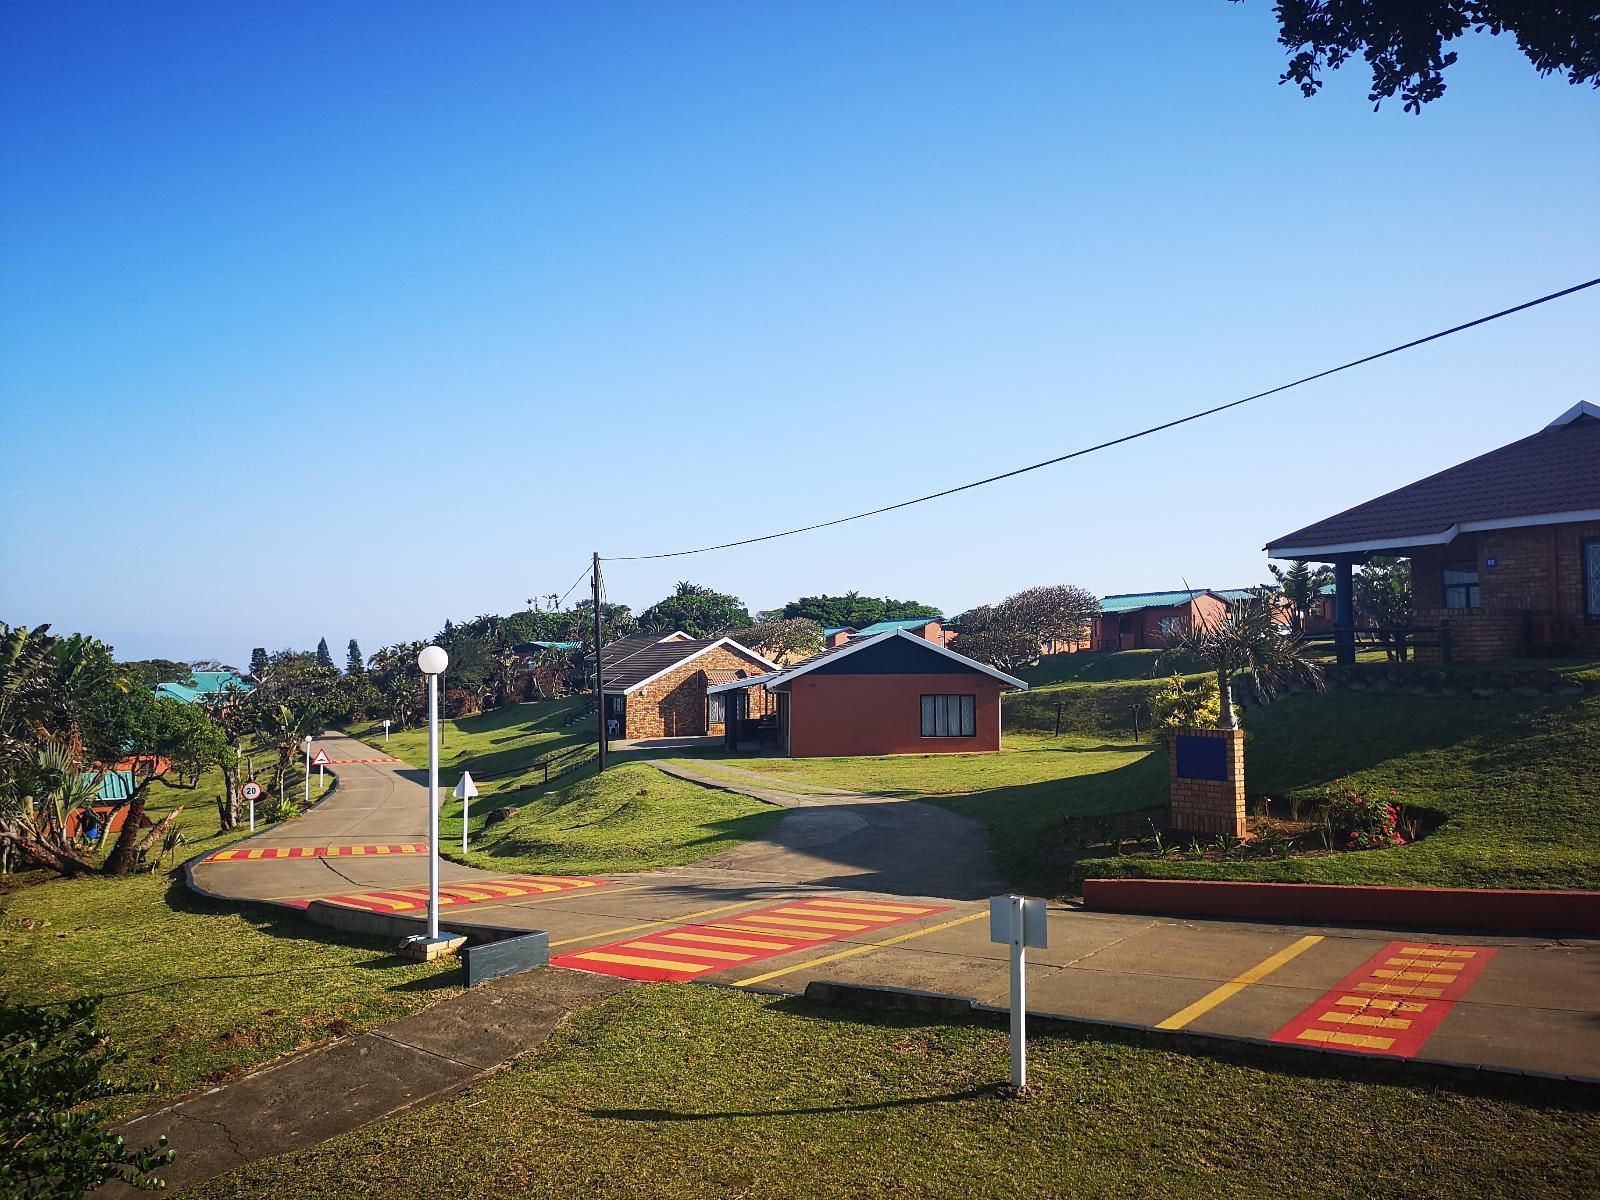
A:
[433,660]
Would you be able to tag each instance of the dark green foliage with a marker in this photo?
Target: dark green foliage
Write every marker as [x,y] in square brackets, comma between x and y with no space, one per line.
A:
[697,610]
[53,1063]
[324,657]
[1403,41]
[354,664]
[258,661]
[151,671]
[855,610]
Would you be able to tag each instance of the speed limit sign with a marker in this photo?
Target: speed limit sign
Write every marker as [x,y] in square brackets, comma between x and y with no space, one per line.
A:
[251,790]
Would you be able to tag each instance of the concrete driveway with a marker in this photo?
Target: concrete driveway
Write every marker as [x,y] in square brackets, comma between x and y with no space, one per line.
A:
[868,890]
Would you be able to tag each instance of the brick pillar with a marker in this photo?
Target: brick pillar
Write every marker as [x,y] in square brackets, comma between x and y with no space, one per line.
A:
[1207,775]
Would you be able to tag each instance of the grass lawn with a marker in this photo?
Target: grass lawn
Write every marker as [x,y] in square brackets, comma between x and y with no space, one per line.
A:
[1028,759]
[497,746]
[1518,779]
[198,992]
[632,818]
[677,1090]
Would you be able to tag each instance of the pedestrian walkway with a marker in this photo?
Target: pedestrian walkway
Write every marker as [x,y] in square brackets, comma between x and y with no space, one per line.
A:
[354,1081]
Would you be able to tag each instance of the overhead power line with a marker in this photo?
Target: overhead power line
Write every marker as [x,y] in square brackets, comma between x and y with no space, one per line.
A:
[570,590]
[1061,458]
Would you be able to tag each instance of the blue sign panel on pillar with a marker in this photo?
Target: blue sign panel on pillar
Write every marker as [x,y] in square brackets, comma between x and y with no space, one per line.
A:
[1202,758]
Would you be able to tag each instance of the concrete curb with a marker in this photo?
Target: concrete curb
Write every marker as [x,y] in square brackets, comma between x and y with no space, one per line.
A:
[1501,909]
[1256,1052]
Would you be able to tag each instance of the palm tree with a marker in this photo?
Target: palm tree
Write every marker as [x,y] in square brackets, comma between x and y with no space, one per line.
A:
[1302,587]
[287,728]
[1244,641]
[36,808]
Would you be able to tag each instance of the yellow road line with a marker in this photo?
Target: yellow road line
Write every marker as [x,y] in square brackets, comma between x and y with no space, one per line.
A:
[1239,982]
[629,960]
[710,939]
[685,919]
[851,953]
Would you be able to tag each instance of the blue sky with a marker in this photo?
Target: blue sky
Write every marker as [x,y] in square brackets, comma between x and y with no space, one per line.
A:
[332,320]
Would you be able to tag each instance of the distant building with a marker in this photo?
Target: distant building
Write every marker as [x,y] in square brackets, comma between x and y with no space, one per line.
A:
[1144,620]
[656,687]
[206,685]
[930,628]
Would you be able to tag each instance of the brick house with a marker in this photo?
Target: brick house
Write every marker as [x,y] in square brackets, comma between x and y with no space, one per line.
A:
[658,689]
[1505,547]
[1142,620]
[888,693]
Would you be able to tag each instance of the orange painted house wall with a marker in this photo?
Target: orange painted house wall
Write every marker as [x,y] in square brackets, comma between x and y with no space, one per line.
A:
[843,715]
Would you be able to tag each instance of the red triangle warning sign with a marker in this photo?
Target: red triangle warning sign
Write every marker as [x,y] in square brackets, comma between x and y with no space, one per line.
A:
[321,760]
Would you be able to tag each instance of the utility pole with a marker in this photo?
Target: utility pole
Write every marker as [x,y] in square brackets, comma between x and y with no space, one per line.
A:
[599,669]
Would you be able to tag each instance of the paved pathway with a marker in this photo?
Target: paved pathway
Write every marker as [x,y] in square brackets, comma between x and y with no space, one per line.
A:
[905,882]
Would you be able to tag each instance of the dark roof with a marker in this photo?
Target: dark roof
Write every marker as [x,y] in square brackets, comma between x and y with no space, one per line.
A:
[624,648]
[658,657]
[900,638]
[1554,471]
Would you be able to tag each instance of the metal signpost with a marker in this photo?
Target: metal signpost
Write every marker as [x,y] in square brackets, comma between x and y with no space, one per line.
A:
[251,791]
[308,771]
[386,731]
[321,761]
[465,791]
[1018,922]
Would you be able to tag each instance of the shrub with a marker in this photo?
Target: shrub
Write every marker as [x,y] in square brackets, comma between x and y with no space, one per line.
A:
[1357,821]
[52,1071]
[1180,703]
[458,702]
[283,809]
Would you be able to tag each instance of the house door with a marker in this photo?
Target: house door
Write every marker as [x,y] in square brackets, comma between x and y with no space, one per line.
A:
[1125,636]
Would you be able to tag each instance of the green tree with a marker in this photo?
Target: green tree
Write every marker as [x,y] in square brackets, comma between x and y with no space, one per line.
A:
[1012,635]
[56,1067]
[782,639]
[153,671]
[1302,585]
[354,664]
[1403,41]
[258,662]
[324,657]
[698,611]
[855,610]
[1243,641]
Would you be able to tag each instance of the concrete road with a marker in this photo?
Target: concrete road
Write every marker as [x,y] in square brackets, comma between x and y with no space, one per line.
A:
[862,889]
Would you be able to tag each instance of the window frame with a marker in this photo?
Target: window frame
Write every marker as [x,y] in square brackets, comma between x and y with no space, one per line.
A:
[937,705]
[1470,591]
[1591,577]
[716,709]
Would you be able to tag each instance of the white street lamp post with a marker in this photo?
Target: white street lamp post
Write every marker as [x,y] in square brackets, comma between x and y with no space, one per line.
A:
[433,660]
[308,770]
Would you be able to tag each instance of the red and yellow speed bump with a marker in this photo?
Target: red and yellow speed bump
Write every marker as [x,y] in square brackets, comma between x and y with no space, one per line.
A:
[241,854]
[1393,1002]
[340,762]
[496,890]
[688,951]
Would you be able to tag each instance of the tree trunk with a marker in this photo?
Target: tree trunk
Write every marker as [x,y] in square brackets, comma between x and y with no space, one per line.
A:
[122,859]
[1224,700]
[228,802]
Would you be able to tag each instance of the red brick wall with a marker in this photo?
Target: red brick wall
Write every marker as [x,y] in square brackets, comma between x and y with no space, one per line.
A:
[675,704]
[1539,571]
[843,715]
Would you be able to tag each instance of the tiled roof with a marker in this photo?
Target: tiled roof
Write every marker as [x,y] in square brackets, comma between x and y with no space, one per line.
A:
[1556,470]
[659,657]
[1129,601]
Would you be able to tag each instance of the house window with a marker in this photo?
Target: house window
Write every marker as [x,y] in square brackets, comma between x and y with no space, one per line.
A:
[1171,626]
[1591,580]
[1461,585]
[716,708]
[949,716]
